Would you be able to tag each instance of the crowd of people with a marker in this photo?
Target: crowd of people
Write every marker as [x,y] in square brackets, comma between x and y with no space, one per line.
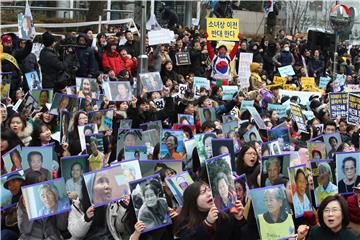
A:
[113,57]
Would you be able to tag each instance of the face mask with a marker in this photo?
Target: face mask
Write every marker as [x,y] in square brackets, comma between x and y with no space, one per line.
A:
[287,49]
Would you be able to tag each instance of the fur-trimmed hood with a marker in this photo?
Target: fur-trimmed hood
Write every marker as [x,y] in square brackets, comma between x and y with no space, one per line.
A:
[25,135]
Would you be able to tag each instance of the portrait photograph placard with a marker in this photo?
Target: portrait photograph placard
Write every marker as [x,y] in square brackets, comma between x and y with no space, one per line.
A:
[86,129]
[147,193]
[72,168]
[282,136]
[222,146]
[271,203]
[324,178]
[95,150]
[332,142]
[186,119]
[125,123]
[45,199]
[135,152]
[241,188]
[42,96]
[178,184]
[252,135]
[103,119]
[151,82]
[300,190]
[347,171]
[203,144]
[273,168]
[151,167]
[171,144]
[106,185]
[128,137]
[119,91]
[221,181]
[316,150]
[86,87]
[38,159]
[207,114]
[13,159]
[151,125]
[64,102]
[150,139]
[33,80]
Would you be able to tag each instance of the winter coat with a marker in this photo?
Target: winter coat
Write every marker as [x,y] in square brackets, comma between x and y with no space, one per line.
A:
[196,58]
[284,58]
[29,64]
[47,228]
[16,76]
[86,56]
[132,48]
[112,62]
[25,135]
[79,228]
[316,66]
[51,67]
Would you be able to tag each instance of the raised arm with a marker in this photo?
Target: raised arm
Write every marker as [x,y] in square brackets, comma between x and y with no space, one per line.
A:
[209,48]
[235,48]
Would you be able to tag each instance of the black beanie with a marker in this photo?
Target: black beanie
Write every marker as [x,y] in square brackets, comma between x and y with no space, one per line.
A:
[48,39]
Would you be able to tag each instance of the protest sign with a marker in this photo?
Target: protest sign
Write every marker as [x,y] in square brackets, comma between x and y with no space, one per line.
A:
[279,80]
[338,104]
[26,28]
[298,117]
[178,184]
[149,190]
[128,137]
[245,104]
[346,164]
[309,115]
[151,82]
[135,152]
[258,120]
[270,230]
[33,80]
[117,184]
[162,36]
[222,29]
[279,108]
[171,144]
[88,87]
[290,87]
[353,107]
[282,135]
[220,175]
[182,58]
[286,71]
[38,206]
[277,161]
[229,92]
[182,88]
[307,83]
[5,79]
[200,82]
[159,103]
[303,96]
[352,87]
[298,175]
[186,119]
[323,82]
[150,167]
[244,72]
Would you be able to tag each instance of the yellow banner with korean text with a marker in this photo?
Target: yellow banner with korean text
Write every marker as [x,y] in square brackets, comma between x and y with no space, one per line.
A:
[222,29]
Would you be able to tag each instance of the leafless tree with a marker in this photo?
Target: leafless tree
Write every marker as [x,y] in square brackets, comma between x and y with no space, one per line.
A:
[296,17]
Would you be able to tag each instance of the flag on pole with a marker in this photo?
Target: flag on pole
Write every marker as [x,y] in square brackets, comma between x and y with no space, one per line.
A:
[268,7]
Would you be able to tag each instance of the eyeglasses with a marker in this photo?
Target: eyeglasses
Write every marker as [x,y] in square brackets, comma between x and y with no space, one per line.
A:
[327,211]
[251,153]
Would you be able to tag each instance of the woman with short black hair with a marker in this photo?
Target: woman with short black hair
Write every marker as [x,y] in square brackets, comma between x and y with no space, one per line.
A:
[333,215]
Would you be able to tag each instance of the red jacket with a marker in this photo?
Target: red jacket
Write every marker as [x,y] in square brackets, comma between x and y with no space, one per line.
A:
[117,63]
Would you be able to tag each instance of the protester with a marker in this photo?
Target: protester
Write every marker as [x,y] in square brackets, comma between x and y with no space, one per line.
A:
[201,88]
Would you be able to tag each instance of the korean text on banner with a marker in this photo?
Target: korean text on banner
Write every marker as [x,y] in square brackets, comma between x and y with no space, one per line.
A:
[353,116]
[244,69]
[222,29]
[298,117]
[307,83]
[338,104]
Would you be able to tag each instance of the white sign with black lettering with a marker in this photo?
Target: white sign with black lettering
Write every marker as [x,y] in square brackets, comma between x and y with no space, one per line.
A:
[182,88]
[160,103]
